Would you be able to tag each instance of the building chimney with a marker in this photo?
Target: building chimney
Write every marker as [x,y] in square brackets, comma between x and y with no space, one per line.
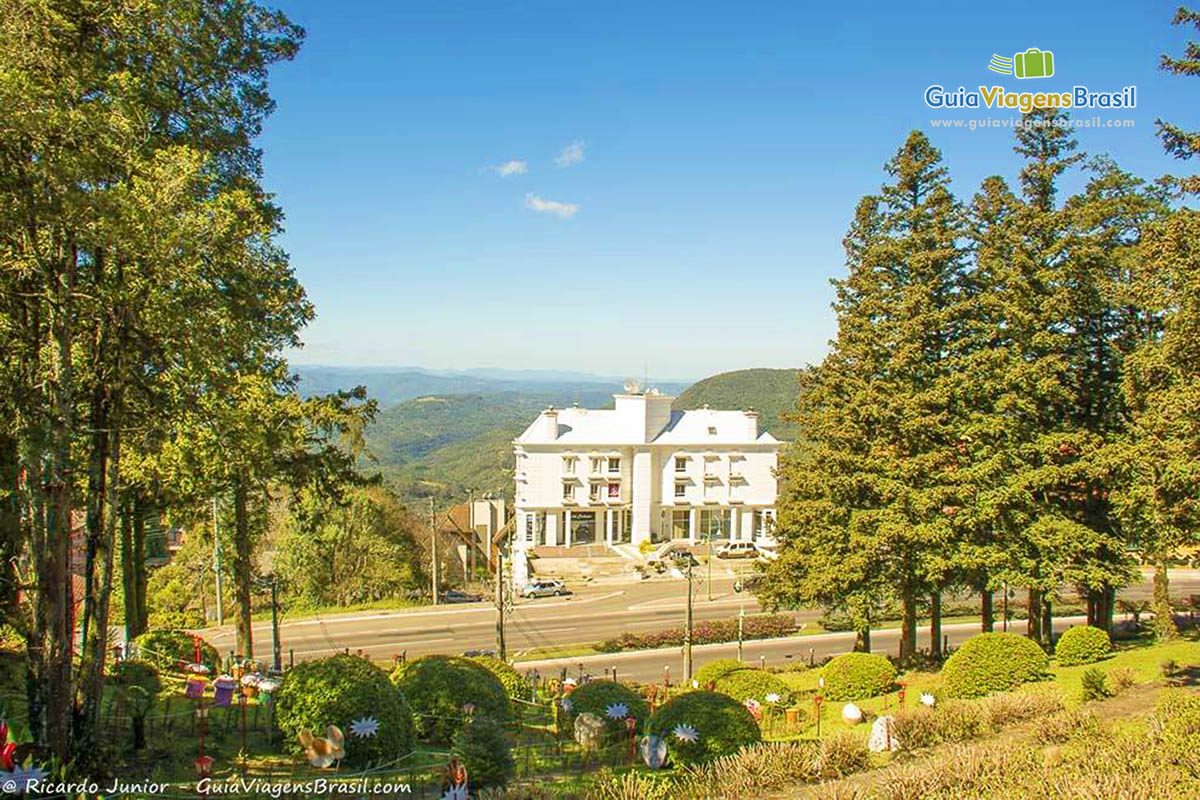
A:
[751,423]
[548,425]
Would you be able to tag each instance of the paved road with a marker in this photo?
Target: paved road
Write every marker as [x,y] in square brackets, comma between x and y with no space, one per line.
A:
[653,665]
[594,613]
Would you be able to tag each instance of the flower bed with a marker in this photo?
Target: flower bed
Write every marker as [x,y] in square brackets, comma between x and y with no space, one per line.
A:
[758,626]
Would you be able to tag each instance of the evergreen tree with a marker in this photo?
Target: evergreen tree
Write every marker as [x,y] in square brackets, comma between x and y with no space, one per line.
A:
[1178,141]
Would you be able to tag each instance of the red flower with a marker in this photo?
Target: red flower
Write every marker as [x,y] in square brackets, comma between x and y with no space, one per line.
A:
[7,752]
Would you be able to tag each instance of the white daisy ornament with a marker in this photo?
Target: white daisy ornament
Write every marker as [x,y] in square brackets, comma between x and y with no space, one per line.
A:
[567,705]
[773,698]
[928,700]
[363,727]
[686,733]
[617,711]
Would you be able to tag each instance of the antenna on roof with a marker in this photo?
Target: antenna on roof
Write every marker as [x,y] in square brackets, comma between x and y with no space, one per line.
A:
[633,386]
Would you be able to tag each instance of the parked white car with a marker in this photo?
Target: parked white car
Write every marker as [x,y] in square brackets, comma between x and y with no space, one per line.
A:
[545,588]
[738,550]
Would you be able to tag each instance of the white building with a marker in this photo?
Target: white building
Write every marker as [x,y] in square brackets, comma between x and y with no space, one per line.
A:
[591,479]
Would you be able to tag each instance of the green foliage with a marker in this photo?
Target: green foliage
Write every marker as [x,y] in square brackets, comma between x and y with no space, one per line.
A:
[440,687]
[723,724]
[757,684]
[993,662]
[1082,644]
[169,649]
[633,785]
[843,753]
[514,682]
[713,671]
[857,676]
[1178,719]
[770,392]
[138,685]
[336,691]
[962,720]
[485,751]
[1094,684]
[596,697]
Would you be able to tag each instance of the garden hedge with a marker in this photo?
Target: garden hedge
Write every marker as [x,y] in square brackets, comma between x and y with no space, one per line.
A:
[483,748]
[596,697]
[515,685]
[167,649]
[440,687]
[857,676]
[757,626]
[1082,644]
[993,662]
[713,671]
[757,684]
[336,691]
[722,725]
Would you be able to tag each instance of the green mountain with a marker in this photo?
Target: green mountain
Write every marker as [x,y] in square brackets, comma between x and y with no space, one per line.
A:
[770,392]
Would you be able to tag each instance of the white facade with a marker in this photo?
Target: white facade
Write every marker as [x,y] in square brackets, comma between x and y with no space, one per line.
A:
[641,472]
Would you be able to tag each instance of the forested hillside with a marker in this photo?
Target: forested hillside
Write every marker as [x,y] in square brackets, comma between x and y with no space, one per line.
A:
[770,392]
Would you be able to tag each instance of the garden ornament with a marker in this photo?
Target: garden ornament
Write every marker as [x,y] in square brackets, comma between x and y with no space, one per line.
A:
[686,733]
[883,736]
[589,731]
[654,751]
[196,685]
[754,707]
[773,698]
[454,782]
[928,700]
[363,727]
[616,711]
[223,690]
[852,714]
[322,752]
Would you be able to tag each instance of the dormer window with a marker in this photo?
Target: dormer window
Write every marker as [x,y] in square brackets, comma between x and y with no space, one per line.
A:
[712,430]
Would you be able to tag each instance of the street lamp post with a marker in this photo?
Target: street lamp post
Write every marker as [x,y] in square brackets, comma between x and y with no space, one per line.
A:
[688,562]
[272,583]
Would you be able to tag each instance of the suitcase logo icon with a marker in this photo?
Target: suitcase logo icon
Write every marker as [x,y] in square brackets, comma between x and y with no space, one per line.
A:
[1033,63]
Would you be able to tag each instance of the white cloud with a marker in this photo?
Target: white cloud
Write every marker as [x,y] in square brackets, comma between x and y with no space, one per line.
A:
[509,168]
[563,210]
[571,154]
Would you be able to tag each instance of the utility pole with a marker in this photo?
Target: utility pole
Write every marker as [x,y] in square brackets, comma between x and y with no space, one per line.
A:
[217,563]
[276,649]
[501,648]
[433,560]
[710,566]
[687,630]
[737,587]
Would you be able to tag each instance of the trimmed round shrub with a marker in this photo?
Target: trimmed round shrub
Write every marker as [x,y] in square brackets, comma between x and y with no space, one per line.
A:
[440,687]
[1082,644]
[722,725]
[336,691]
[597,697]
[168,649]
[713,671]
[993,662]
[757,684]
[515,685]
[857,676]
[483,748]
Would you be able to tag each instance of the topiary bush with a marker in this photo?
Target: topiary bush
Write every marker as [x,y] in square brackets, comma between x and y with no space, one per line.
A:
[515,685]
[993,662]
[713,671]
[483,748]
[169,649]
[746,684]
[336,691]
[857,676]
[597,697]
[137,685]
[439,688]
[1082,644]
[722,726]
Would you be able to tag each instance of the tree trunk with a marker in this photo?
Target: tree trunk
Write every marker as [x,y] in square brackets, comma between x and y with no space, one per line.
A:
[987,611]
[1047,622]
[10,528]
[139,563]
[242,567]
[1110,607]
[908,625]
[935,625]
[1164,621]
[1033,624]
[128,582]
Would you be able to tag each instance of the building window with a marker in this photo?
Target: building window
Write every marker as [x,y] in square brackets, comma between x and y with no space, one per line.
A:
[626,524]
[711,464]
[535,528]
[569,465]
[594,492]
[764,523]
[568,490]
[679,523]
[713,523]
[681,463]
[614,491]
[614,465]
[680,489]
[712,431]
[583,527]
[597,465]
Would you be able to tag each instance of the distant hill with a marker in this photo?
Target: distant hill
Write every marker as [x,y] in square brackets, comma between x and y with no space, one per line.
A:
[392,385]
[770,392]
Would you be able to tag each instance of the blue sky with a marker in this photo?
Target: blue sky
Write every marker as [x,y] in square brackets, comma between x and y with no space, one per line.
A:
[724,146]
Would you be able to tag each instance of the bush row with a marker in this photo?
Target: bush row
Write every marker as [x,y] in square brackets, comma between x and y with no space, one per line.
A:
[961,720]
[758,626]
